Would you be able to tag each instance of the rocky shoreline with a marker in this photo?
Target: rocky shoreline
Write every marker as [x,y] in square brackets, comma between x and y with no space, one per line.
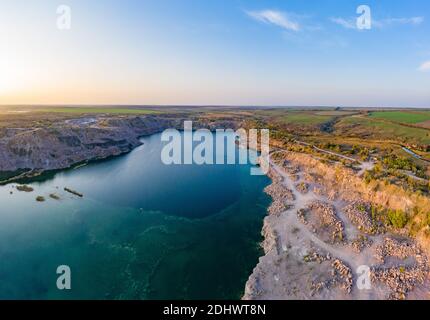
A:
[29,151]
[316,239]
[67,143]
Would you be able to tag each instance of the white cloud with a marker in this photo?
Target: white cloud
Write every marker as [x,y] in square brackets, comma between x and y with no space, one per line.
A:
[277,18]
[348,24]
[351,22]
[425,67]
[398,21]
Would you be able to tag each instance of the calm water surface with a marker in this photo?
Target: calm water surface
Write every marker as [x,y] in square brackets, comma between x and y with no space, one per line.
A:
[143,230]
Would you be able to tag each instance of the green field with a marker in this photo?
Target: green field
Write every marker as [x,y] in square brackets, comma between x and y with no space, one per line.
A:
[410,117]
[305,118]
[336,113]
[296,117]
[384,130]
[93,110]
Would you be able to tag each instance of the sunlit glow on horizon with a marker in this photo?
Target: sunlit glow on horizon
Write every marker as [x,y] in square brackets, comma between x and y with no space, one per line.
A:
[145,53]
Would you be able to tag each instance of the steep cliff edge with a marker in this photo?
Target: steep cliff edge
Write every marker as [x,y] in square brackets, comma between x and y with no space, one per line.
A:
[68,142]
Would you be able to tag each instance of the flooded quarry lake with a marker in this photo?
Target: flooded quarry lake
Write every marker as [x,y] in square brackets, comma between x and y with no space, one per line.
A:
[142,230]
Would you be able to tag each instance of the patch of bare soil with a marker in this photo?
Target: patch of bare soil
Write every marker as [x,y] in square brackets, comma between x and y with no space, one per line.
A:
[323,221]
[316,247]
[425,124]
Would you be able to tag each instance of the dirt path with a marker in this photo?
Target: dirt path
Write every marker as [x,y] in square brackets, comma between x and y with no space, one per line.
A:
[328,152]
[300,202]
[282,272]
[364,165]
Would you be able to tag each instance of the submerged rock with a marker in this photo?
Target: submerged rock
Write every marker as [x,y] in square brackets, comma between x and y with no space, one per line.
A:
[54,196]
[74,192]
[24,188]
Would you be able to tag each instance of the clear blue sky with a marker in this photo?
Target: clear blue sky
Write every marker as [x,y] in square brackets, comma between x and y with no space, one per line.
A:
[236,52]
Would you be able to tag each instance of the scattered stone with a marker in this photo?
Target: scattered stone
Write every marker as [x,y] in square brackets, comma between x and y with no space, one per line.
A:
[54,196]
[400,279]
[302,187]
[360,243]
[323,221]
[274,176]
[40,199]
[301,213]
[292,170]
[319,286]
[342,275]
[271,240]
[316,257]
[359,213]
[24,188]
[297,266]
[280,195]
[401,250]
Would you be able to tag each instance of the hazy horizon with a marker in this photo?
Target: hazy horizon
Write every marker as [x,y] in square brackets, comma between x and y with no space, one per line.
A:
[88,105]
[216,53]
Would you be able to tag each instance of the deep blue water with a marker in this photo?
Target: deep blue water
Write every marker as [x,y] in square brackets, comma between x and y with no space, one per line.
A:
[143,230]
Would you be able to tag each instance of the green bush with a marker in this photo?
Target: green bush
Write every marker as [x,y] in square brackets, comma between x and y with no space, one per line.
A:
[399,163]
[361,207]
[397,218]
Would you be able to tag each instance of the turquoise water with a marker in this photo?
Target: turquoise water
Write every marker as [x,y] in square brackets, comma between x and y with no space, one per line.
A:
[143,230]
